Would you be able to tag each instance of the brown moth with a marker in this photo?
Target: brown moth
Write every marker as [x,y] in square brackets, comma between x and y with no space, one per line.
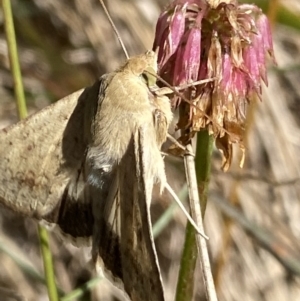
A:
[71,165]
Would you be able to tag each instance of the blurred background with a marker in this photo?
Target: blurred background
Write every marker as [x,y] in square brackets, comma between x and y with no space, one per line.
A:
[253,214]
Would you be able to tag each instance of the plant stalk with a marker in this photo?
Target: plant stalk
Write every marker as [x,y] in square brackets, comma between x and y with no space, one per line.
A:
[22,111]
[202,166]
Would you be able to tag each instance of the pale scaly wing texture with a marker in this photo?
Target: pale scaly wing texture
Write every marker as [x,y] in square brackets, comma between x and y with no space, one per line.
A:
[139,168]
[41,161]
[123,232]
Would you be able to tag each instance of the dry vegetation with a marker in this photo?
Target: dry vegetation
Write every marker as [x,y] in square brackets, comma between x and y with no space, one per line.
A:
[253,214]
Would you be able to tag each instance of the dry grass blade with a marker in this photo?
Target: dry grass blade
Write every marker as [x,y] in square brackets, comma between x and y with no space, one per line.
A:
[196,214]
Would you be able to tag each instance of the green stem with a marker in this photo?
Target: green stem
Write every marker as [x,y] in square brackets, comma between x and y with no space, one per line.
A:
[48,264]
[22,110]
[80,291]
[203,165]
[13,58]
[185,285]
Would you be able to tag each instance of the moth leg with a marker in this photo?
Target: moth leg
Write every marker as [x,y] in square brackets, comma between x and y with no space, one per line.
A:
[177,149]
[172,139]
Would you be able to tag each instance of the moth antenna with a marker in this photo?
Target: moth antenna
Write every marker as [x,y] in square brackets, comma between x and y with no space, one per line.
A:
[114,28]
[198,82]
[171,191]
[156,50]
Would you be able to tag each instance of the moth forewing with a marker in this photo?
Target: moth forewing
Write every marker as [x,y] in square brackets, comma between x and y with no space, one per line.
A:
[138,169]
[31,156]
[41,159]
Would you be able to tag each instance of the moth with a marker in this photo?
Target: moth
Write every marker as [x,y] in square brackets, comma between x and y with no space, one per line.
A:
[71,165]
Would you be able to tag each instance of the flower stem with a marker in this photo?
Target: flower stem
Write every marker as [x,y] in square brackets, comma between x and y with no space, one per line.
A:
[48,263]
[203,165]
[13,58]
[185,285]
[22,111]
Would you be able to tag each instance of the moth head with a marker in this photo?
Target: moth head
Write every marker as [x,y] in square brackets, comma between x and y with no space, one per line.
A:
[140,63]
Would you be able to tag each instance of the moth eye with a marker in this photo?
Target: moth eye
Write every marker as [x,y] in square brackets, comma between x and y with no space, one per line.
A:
[145,78]
[149,77]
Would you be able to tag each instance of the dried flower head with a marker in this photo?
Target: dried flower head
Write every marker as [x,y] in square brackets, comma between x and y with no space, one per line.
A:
[225,41]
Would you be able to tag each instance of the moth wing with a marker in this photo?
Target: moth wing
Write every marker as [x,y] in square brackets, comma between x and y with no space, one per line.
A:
[123,245]
[140,268]
[41,156]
